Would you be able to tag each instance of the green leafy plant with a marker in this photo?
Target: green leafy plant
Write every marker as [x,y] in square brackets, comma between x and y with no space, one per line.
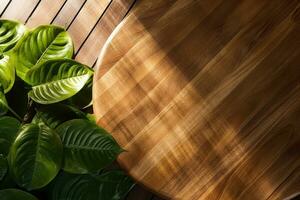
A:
[15,194]
[50,147]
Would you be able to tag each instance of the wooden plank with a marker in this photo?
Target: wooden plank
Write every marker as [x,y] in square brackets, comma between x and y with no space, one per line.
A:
[91,48]
[86,20]
[45,12]
[3,5]
[68,12]
[20,10]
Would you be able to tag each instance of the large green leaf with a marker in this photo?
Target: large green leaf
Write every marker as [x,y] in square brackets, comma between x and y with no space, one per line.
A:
[7,73]
[35,156]
[10,33]
[87,147]
[3,102]
[9,127]
[15,194]
[39,45]
[113,185]
[55,114]
[56,80]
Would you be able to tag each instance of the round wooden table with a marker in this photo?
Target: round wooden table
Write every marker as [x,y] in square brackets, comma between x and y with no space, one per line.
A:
[205,97]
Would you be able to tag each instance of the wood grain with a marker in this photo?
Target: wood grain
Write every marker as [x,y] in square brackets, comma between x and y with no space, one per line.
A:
[205,97]
[90,50]
[45,12]
[69,12]
[3,5]
[20,10]
[86,20]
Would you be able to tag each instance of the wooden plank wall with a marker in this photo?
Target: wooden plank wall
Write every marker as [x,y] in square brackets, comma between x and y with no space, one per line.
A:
[90,22]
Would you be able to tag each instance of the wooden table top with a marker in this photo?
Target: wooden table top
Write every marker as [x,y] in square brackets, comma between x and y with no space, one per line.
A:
[205,97]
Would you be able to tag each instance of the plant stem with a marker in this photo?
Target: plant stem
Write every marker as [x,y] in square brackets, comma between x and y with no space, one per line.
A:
[30,112]
[14,113]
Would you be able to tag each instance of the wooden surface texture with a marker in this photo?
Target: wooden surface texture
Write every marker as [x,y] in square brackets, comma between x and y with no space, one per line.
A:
[205,97]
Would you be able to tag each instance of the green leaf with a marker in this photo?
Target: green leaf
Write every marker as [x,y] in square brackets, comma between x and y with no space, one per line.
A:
[3,102]
[87,147]
[10,33]
[9,127]
[39,45]
[113,185]
[3,167]
[55,114]
[7,73]
[116,185]
[15,194]
[56,80]
[35,156]
[84,97]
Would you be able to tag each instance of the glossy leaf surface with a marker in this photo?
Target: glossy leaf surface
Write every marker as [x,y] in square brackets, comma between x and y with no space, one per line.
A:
[57,80]
[3,102]
[10,33]
[113,185]
[40,45]
[87,147]
[7,73]
[35,156]
[9,128]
